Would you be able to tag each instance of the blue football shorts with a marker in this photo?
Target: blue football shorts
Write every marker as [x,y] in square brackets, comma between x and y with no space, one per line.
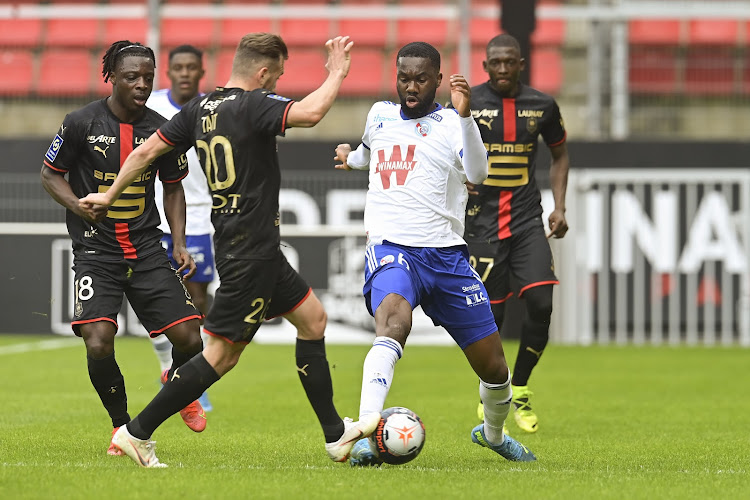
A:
[201,249]
[441,280]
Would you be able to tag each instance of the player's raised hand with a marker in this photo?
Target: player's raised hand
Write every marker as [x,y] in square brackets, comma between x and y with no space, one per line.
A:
[94,207]
[185,260]
[461,95]
[342,153]
[339,56]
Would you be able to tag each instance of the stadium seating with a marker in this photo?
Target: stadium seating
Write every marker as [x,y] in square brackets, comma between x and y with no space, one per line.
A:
[304,71]
[482,30]
[366,32]
[65,72]
[223,67]
[437,32]
[653,70]
[17,68]
[713,32]
[305,32]
[232,30]
[709,71]
[196,31]
[366,74]
[134,30]
[548,33]
[20,32]
[655,32]
[546,70]
[72,33]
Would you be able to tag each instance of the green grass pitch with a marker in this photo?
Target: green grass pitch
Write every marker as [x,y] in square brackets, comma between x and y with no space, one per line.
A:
[615,422]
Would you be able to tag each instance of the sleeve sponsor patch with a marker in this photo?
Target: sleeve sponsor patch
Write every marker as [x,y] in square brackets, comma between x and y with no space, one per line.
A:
[54,148]
[278,97]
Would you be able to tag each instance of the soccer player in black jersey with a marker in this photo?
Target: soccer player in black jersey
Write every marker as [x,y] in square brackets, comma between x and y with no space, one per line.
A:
[234,130]
[117,249]
[504,226]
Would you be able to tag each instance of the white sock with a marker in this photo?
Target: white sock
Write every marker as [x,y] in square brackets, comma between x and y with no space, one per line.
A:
[377,374]
[204,337]
[163,350]
[496,399]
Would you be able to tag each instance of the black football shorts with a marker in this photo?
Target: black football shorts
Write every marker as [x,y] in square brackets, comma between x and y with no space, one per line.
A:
[153,288]
[526,254]
[250,292]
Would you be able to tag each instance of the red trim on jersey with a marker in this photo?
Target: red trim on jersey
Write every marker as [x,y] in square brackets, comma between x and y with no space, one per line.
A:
[510,294]
[503,214]
[73,323]
[560,141]
[122,233]
[177,180]
[283,119]
[538,283]
[155,333]
[309,291]
[509,120]
[161,136]
[48,164]
[126,141]
[221,337]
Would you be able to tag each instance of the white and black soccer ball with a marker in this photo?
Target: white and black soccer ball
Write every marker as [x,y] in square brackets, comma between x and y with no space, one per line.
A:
[399,436]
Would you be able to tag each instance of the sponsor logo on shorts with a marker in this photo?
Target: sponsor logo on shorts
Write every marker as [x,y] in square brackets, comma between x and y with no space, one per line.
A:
[475,299]
[471,288]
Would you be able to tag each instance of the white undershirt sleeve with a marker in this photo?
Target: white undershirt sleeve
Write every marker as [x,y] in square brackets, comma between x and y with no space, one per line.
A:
[359,159]
[474,152]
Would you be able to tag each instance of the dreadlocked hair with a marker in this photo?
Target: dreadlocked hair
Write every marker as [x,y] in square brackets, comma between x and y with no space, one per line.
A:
[120,49]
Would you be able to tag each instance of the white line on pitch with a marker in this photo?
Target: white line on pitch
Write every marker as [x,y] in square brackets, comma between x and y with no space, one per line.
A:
[42,345]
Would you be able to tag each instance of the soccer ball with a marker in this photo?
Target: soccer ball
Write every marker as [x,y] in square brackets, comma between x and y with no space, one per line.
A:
[399,436]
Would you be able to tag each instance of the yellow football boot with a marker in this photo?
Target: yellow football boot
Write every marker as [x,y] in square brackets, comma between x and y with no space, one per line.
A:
[525,417]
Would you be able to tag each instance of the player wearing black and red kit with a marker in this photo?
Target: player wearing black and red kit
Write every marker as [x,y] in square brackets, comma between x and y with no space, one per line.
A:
[233,130]
[118,251]
[504,227]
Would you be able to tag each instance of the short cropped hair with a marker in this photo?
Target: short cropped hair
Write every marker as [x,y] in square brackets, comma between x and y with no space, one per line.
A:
[255,48]
[504,40]
[420,49]
[186,49]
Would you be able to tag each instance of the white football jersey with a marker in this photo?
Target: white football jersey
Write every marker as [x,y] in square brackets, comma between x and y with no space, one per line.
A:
[197,197]
[416,194]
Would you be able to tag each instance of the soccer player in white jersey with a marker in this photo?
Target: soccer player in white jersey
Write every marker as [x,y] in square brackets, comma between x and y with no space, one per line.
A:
[185,71]
[419,155]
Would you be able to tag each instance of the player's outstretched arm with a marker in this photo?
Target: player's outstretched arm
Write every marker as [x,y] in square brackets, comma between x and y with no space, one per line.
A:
[136,163]
[174,210]
[59,189]
[309,111]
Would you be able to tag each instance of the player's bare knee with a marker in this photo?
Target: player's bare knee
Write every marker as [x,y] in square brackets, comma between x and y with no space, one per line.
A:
[99,340]
[186,336]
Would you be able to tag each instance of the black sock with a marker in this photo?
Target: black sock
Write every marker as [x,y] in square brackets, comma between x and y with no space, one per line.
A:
[533,341]
[109,383]
[179,358]
[181,389]
[312,368]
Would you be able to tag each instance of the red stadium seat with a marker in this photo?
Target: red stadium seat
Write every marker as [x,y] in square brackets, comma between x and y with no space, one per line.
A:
[65,72]
[20,32]
[17,68]
[482,30]
[365,32]
[198,32]
[653,70]
[709,71]
[232,30]
[655,32]
[304,71]
[223,67]
[72,33]
[546,70]
[134,30]
[713,31]
[433,31]
[366,74]
[305,32]
[548,32]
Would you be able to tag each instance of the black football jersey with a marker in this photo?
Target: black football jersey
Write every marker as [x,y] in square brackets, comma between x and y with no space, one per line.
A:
[91,146]
[510,126]
[234,133]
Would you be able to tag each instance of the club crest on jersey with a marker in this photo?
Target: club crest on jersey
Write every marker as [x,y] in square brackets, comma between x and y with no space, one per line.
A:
[387,260]
[532,125]
[422,129]
[54,148]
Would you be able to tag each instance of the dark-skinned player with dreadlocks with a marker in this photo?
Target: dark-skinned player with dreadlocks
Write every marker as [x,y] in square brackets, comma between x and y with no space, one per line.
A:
[117,250]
